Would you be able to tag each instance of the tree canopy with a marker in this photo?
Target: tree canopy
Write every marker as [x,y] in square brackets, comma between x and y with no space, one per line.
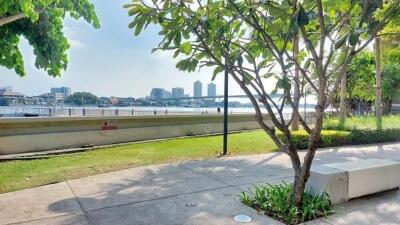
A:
[390,83]
[361,77]
[41,23]
[82,98]
[254,41]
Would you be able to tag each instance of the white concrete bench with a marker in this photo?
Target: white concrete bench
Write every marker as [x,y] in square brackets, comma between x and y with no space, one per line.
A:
[347,180]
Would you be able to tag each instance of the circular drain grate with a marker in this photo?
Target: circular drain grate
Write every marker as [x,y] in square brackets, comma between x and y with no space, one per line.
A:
[242,218]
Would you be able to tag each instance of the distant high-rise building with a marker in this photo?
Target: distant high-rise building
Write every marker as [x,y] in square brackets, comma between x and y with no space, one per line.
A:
[114,100]
[65,91]
[197,89]
[6,88]
[7,91]
[159,93]
[178,92]
[211,90]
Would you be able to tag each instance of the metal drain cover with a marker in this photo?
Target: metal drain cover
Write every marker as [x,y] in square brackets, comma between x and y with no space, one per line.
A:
[242,218]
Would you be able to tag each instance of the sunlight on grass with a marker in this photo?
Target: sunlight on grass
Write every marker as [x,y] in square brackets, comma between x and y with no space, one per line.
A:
[365,122]
[18,175]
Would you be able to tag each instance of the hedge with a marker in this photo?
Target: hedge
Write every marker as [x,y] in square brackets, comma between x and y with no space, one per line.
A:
[374,136]
[332,138]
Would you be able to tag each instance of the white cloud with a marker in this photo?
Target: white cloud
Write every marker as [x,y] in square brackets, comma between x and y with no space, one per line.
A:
[76,43]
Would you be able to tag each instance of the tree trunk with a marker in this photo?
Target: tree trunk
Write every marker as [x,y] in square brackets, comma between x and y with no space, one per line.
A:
[387,107]
[343,91]
[296,97]
[299,186]
[302,176]
[378,94]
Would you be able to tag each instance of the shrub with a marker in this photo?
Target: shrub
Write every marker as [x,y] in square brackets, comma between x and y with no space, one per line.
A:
[374,136]
[329,138]
[276,201]
[362,123]
[332,138]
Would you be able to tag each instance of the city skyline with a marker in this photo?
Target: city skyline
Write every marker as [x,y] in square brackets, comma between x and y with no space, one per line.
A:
[109,61]
[179,92]
[176,92]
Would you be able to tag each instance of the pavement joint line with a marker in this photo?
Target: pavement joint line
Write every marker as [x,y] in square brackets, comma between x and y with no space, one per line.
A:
[205,175]
[80,205]
[44,218]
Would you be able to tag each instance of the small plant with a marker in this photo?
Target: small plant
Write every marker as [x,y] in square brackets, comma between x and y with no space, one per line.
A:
[276,201]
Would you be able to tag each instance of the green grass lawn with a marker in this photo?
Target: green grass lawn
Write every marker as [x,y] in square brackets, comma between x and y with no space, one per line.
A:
[16,175]
[364,122]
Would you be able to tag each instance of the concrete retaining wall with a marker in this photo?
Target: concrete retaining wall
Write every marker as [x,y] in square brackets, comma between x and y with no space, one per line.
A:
[39,134]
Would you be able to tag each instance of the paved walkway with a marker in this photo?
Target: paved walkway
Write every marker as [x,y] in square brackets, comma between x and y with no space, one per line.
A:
[191,193]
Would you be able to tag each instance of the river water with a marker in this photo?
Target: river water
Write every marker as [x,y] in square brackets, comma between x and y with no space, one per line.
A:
[35,110]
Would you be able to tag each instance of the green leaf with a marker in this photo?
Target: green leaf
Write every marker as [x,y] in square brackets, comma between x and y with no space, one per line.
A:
[186,47]
[177,39]
[249,58]
[302,18]
[217,70]
[247,77]
[268,75]
[187,65]
[307,64]
[353,39]
[341,41]
[176,53]
[139,25]
[283,83]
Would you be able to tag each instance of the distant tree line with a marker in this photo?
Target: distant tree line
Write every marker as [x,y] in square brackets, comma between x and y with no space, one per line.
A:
[3,102]
[82,98]
[361,81]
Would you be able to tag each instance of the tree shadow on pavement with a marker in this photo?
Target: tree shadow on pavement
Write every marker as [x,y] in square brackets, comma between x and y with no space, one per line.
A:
[206,192]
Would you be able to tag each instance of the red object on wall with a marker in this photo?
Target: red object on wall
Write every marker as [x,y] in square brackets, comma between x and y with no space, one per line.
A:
[109,126]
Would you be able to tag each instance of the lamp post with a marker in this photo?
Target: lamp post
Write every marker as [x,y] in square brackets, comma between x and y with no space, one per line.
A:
[225,144]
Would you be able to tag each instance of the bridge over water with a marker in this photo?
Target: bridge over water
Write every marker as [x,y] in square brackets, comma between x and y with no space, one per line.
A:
[211,97]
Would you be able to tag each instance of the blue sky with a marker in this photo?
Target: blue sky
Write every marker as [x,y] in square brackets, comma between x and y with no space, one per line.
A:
[110,61]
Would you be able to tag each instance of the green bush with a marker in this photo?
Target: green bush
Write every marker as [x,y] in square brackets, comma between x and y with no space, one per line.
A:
[364,129]
[276,201]
[374,136]
[362,123]
[332,138]
[329,138]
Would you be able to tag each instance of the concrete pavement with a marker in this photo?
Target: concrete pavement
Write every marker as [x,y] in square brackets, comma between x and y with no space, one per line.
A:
[190,193]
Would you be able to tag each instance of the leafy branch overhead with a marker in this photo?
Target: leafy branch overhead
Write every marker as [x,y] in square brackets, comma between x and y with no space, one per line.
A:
[254,41]
[41,23]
